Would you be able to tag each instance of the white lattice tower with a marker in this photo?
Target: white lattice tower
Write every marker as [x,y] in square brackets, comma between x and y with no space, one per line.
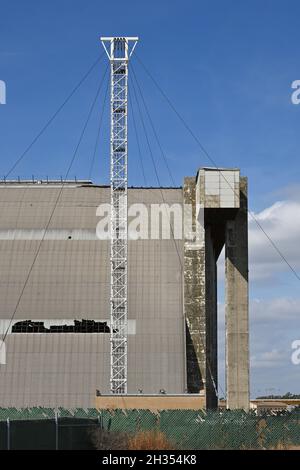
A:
[119,50]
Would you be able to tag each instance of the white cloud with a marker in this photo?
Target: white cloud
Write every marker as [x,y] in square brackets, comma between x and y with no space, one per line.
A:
[267,359]
[274,325]
[281,222]
[280,308]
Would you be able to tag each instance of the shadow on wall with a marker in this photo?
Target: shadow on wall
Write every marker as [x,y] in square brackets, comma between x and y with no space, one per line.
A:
[194,377]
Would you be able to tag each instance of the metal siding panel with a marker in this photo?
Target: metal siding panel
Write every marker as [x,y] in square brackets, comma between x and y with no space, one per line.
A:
[71,279]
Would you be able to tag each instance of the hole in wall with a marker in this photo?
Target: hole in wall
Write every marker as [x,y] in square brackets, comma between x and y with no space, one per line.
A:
[79,326]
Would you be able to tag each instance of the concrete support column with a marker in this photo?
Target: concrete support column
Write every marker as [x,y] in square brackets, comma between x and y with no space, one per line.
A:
[194,301]
[237,328]
[200,301]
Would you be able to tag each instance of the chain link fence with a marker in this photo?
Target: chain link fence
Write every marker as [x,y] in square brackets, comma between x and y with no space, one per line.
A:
[47,428]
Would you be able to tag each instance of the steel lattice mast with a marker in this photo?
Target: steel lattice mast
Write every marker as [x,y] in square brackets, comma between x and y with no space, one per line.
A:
[119,50]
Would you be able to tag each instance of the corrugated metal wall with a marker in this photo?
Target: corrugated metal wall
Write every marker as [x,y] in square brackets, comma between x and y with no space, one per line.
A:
[70,280]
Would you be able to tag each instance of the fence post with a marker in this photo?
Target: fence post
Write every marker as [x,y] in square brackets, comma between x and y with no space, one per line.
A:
[8,433]
[100,423]
[56,430]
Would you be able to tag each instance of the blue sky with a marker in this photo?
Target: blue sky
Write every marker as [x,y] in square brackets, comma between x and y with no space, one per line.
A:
[228,67]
